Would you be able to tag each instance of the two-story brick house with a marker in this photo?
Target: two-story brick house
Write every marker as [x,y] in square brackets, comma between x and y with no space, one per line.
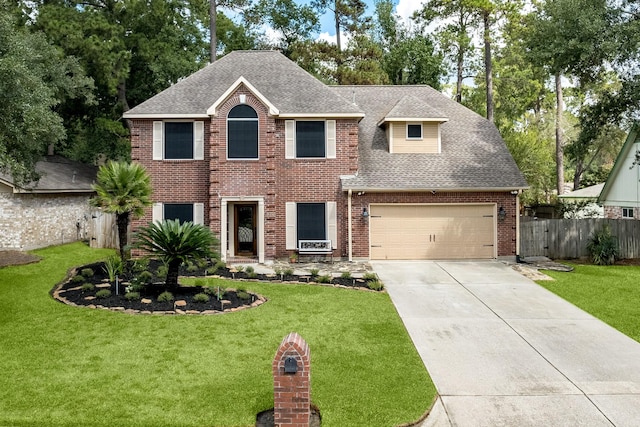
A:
[267,155]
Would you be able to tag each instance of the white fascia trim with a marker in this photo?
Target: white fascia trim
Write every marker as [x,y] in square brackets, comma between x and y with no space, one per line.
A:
[413,119]
[165,116]
[322,116]
[213,110]
[437,190]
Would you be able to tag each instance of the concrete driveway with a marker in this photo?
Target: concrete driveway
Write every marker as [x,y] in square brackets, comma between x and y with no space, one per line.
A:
[503,351]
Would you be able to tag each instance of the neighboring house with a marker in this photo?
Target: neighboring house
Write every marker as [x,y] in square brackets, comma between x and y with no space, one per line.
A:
[51,211]
[621,193]
[268,156]
[585,201]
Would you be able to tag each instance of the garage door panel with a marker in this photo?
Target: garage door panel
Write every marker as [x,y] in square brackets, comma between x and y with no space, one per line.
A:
[432,231]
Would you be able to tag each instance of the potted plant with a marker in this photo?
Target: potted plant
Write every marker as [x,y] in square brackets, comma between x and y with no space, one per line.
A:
[293,257]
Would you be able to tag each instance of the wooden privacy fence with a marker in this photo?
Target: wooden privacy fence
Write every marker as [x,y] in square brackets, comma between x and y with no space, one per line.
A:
[103,232]
[568,238]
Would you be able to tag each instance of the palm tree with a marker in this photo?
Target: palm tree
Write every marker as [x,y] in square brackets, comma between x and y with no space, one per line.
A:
[174,243]
[123,189]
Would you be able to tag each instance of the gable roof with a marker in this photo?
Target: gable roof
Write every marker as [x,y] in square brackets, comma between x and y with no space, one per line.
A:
[291,91]
[618,166]
[410,108]
[591,192]
[58,175]
[473,158]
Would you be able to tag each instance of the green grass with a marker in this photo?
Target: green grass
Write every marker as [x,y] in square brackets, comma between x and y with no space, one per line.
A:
[610,293]
[68,366]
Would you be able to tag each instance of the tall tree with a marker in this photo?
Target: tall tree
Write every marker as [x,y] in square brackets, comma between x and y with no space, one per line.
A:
[215,16]
[35,78]
[123,189]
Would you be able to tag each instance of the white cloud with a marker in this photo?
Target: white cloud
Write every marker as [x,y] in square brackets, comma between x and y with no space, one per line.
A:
[405,8]
[331,39]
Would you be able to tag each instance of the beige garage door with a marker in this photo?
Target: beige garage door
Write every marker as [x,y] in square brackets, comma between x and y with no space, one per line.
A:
[432,231]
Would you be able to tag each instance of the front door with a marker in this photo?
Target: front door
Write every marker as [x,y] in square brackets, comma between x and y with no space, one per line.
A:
[245,229]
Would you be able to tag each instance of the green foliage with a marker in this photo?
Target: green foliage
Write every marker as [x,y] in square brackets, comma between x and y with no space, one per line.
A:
[145,277]
[287,271]
[113,266]
[166,296]
[219,265]
[135,287]
[191,267]
[123,189]
[603,246]
[370,276]
[239,268]
[324,279]
[103,293]
[132,296]
[77,279]
[139,265]
[162,270]
[200,282]
[249,269]
[201,298]
[87,273]
[243,295]
[375,285]
[87,287]
[314,272]
[345,275]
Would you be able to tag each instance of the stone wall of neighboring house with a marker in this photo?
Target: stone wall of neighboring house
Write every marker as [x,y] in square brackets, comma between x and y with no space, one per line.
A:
[506,228]
[29,221]
[615,212]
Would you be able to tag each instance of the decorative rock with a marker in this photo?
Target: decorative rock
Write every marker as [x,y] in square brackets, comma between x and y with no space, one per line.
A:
[89,298]
[103,285]
[209,312]
[193,312]
[118,308]
[145,312]
[146,301]
[178,311]
[180,303]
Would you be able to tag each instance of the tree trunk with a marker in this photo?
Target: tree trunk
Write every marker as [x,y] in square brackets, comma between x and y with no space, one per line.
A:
[460,64]
[488,65]
[337,16]
[559,135]
[122,221]
[213,41]
[173,269]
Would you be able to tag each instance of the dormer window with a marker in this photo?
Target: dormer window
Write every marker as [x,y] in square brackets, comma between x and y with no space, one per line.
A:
[414,130]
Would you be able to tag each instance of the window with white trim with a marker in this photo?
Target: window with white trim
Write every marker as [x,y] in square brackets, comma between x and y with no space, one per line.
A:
[184,212]
[310,221]
[178,140]
[242,133]
[309,139]
[627,213]
[414,130]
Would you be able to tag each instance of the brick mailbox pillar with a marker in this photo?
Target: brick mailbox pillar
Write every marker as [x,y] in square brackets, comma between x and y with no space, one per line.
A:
[292,383]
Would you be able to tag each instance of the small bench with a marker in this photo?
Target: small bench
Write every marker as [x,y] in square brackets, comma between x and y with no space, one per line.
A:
[315,247]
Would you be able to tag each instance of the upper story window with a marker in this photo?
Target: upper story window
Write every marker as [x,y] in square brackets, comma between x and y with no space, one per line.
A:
[242,133]
[627,212]
[309,139]
[414,130]
[178,140]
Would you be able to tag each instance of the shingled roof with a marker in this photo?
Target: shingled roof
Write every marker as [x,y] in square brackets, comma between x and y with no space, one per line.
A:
[57,175]
[473,157]
[289,88]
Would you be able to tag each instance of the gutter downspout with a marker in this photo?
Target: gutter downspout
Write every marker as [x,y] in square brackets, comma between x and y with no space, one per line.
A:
[349,231]
[518,226]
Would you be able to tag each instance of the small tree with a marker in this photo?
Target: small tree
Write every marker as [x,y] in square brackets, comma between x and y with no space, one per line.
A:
[175,243]
[123,189]
[603,246]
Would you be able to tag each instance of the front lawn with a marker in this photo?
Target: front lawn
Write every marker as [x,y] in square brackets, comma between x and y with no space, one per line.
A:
[69,366]
[610,293]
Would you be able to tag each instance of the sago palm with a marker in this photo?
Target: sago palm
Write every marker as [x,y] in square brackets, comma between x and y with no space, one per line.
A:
[175,243]
[123,189]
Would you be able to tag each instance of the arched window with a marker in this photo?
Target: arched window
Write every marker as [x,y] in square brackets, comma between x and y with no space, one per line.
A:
[242,133]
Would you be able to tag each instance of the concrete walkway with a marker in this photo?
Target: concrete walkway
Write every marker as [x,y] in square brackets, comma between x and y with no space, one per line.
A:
[503,351]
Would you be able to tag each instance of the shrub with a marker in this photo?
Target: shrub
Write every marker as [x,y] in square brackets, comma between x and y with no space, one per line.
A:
[243,295]
[162,271]
[203,263]
[87,273]
[113,267]
[86,287]
[201,298]
[218,266]
[249,269]
[145,277]
[370,277]
[375,285]
[131,296]
[135,287]
[314,272]
[278,271]
[103,293]
[239,268]
[217,291]
[324,279]
[603,246]
[241,288]
[77,279]
[166,296]
[192,268]
[140,265]
[287,272]
[346,275]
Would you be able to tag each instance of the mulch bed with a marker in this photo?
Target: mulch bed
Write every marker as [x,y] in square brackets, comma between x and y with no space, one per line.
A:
[76,290]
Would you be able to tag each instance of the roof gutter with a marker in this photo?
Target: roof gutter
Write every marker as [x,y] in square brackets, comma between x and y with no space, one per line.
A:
[513,190]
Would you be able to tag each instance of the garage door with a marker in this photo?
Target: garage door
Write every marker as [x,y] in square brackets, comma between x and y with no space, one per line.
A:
[432,231]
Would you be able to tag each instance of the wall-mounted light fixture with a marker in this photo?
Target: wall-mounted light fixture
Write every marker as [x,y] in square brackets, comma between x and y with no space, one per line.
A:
[514,192]
[502,214]
[365,213]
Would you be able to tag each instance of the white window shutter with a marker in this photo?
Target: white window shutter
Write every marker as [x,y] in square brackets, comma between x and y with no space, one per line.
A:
[289,139]
[291,219]
[198,140]
[158,127]
[331,139]
[332,224]
[198,213]
[157,214]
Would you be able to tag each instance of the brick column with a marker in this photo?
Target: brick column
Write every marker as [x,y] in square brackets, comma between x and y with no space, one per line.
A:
[292,390]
